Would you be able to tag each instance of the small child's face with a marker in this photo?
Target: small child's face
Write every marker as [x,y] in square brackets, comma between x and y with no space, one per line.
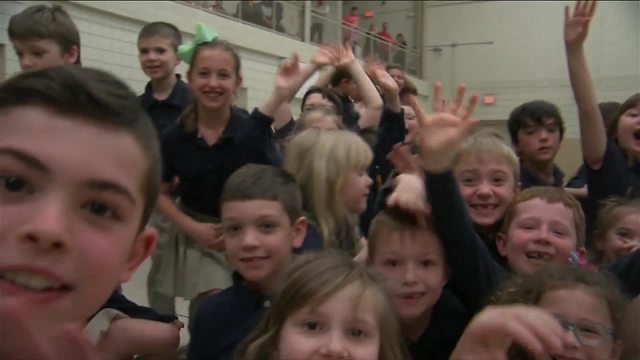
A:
[487,187]
[539,233]
[71,201]
[356,191]
[345,326]
[539,144]
[623,238]
[259,238]
[157,57]
[629,131]
[590,316]
[212,78]
[413,265]
[34,54]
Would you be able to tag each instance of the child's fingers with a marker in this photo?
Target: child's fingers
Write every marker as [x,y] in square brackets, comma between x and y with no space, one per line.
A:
[457,99]
[592,7]
[436,98]
[544,328]
[468,109]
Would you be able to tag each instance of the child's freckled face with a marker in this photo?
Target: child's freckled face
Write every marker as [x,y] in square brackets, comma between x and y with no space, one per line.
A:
[539,233]
[71,202]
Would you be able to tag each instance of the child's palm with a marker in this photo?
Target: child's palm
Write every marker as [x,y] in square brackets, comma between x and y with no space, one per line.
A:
[288,75]
[576,25]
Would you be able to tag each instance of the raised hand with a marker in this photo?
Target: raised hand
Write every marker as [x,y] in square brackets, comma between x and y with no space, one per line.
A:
[288,77]
[576,25]
[346,56]
[403,161]
[495,329]
[328,54]
[442,131]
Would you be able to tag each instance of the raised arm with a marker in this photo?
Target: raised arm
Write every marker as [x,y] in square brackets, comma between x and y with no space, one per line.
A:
[370,97]
[324,56]
[592,131]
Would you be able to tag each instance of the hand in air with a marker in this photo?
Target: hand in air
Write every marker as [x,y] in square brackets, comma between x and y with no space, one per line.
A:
[288,77]
[443,131]
[328,54]
[576,25]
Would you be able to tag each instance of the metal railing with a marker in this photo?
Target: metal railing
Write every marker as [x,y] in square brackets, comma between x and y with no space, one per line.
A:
[287,18]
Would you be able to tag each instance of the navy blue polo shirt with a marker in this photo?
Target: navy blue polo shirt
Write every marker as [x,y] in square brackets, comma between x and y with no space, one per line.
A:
[203,169]
[224,320]
[529,179]
[165,113]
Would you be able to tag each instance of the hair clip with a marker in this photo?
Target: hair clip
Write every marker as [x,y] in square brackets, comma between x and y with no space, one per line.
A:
[202,35]
[578,259]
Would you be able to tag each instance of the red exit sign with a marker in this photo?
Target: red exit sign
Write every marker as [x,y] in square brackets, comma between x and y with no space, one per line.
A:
[489,99]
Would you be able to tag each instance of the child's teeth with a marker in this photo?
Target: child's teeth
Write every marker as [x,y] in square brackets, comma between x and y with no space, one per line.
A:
[31,280]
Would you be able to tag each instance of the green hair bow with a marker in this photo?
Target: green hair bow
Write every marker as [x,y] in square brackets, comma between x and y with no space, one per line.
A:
[203,35]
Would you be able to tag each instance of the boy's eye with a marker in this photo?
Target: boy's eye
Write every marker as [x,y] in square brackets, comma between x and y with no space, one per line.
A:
[13,184]
[267,226]
[527,226]
[100,209]
[426,263]
[38,54]
[622,233]
[498,180]
[468,181]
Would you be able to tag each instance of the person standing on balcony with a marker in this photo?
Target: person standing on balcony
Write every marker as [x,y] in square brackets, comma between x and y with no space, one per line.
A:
[400,55]
[384,46]
[369,41]
[351,22]
[250,11]
[321,8]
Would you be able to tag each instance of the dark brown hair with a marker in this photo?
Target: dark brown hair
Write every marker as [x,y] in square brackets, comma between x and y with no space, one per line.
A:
[162,29]
[264,182]
[631,102]
[393,220]
[96,97]
[45,22]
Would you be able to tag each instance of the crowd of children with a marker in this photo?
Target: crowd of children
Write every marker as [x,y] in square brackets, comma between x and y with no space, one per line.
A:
[366,229]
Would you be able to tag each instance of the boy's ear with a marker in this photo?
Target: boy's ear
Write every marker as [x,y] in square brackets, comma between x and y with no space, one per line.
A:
[299,231]
[143,246]
[501,243]
[71,56]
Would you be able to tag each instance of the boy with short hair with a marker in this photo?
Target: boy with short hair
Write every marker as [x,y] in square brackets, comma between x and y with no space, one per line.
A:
[411,259]
[262,217]
[165,96]
[80,174]
[536,129]
[44,36]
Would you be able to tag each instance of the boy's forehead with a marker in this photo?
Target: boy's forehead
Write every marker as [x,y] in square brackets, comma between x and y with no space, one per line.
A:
[47,43]
[253,208]
[409,237]
[546,121]
[482,160]
[156,40]
[540,207]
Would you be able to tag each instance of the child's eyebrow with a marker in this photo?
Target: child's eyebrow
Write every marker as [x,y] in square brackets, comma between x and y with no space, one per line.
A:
[25,158]
[105,185]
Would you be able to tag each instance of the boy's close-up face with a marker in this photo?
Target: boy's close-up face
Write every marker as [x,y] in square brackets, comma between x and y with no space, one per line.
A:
[413,265]
[539,143]
[487,186]
[157,57]
[71,200]
[539,233]
[259,239]
[42,53]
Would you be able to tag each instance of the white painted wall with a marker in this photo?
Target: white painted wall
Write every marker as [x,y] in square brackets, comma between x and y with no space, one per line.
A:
[527,60]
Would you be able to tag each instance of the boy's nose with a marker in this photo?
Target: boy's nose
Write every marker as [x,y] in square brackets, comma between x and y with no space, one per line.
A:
[49,228]
[27,62]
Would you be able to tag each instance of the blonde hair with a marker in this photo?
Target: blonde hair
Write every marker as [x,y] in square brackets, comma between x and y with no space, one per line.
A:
[488,145]
[321,161]
[551,195]
[311,280]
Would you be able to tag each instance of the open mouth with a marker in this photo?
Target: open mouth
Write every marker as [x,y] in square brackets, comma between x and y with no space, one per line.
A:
[35,282]
[484,207]
[636,135]
[540,256]
[253,259]
[213,95]
[413,295]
